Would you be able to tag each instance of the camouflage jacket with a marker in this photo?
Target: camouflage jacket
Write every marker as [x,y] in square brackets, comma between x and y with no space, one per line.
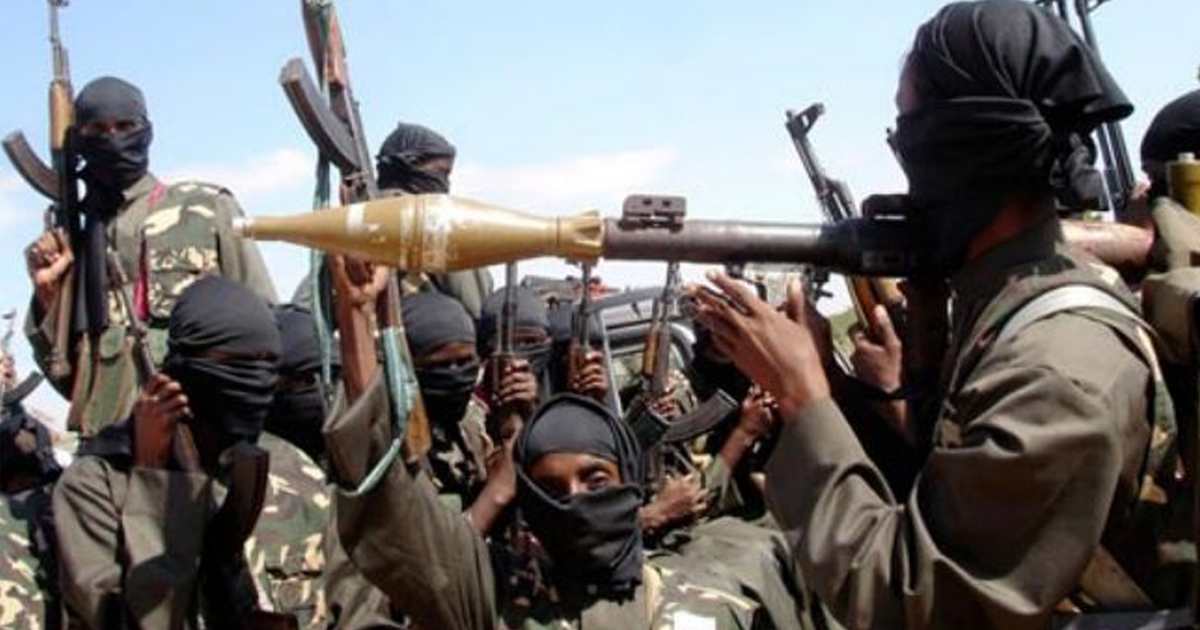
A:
[29,593]
[165,237]
[286,550]
[432,564]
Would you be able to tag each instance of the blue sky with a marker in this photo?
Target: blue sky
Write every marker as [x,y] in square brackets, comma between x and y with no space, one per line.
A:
[555,107]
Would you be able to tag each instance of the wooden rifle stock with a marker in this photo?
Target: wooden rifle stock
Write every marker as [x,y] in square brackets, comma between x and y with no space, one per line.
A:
[330,124]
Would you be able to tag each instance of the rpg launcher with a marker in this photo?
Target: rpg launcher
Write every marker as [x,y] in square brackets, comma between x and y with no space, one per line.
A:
[439,233]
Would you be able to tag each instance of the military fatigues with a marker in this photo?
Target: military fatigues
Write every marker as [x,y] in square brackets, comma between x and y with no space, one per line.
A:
[132,538]
[430,561]
[166,237]
[286,550]
[1035,450]
[457,468]
[130,544]
[29,593]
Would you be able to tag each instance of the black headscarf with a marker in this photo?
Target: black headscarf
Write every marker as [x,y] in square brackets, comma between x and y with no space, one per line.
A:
[432,320]
[1174,130]
[531,318]
[113,163]
[223,347]
[1007,96]
[403,155]
[299,407]
[594,536]
[26,450]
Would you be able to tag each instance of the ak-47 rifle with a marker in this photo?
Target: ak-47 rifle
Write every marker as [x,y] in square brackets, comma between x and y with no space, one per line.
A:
[1118,173]
[17,393]
[838,205]
[658,435]
[330,116]
[580,328]
[59,184]
[183,444]
[507,420]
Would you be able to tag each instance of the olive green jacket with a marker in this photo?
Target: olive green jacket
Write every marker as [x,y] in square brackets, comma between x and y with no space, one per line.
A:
[429,560]
[1037,449]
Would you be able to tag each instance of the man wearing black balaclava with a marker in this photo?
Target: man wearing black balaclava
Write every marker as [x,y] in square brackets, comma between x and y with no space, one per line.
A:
[415,160]
[578,485]
[532,338]
[132,512]
[1039,443]
[164,237]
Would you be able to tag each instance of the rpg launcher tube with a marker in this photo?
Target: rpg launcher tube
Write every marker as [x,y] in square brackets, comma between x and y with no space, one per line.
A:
[439,233]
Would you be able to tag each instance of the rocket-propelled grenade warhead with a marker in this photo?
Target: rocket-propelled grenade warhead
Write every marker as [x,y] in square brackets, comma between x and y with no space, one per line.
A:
[435,233]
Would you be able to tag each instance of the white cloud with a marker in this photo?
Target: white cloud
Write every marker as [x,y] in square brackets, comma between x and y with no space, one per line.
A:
[552,185]
[279,170]
[18,203]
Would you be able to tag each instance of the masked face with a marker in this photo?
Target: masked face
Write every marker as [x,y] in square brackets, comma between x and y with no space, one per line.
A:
[117,153]
[446,389]
[535,346]
[579,487]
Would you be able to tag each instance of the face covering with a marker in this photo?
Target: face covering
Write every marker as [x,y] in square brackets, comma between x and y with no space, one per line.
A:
[113,161]
[446,390]
[1006,95]
[593,536]
[225,358]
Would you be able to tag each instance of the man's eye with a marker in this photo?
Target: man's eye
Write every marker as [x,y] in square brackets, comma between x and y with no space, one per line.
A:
[597,480]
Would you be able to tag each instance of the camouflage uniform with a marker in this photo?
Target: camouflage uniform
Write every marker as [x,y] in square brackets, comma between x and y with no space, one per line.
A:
[430,561]
[29,594]
[286,550]
[165,237]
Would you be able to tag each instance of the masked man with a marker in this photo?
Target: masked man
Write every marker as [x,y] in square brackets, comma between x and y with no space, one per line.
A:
[1039,445]
[165,237]
[145,516]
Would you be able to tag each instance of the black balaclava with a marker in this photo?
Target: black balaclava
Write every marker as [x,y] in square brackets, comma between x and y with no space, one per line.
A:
[1174,130]
[432,320]
[561,318]
[402,158]
[595,536]
[223,347]
[1007,96]
[113,162]
[299,408]
[532,318]
[26,451]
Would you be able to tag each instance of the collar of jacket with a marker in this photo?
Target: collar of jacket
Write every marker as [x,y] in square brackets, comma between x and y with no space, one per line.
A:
[981,279]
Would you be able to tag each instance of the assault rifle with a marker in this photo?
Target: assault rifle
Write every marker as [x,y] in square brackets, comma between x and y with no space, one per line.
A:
[14,395]
[331,118]
[1118,173]
[183,444]
[580,328]
[657,435]
[838,205]
[507,420]
[59,184]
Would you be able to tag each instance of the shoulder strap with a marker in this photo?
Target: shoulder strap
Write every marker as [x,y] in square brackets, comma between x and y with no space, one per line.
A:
[1066,298]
